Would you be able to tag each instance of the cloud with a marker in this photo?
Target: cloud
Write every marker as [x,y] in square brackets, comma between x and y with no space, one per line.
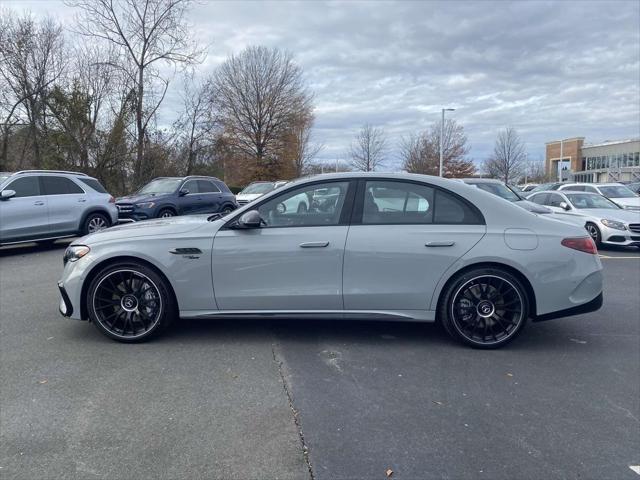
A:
[549,69]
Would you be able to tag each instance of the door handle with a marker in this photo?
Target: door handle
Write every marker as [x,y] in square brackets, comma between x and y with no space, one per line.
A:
[439,244]
[39,202]
[314,244]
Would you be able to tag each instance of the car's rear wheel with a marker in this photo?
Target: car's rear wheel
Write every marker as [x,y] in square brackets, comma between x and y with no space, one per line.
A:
[226,210]
[484,308]
[594,232]
[130,302]
[94,223]
[166,213]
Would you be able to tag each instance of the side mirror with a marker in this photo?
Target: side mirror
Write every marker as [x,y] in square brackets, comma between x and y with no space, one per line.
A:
[7,194]
[250,219]
[183,192]
[565,206]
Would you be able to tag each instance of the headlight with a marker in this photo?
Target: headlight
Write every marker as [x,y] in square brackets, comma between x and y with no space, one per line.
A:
[613,224]
[145,204]
[75,252]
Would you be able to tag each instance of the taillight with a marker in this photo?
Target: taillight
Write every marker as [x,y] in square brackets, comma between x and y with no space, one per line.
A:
[112,200]
[583,244]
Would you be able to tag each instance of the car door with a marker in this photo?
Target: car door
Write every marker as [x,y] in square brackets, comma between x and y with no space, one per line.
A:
[25,215]
[66,202]
[191,203]
[211,196]
[403,237]
[293,262]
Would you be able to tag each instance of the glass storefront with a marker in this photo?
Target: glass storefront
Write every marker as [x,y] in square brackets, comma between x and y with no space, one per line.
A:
[631,159]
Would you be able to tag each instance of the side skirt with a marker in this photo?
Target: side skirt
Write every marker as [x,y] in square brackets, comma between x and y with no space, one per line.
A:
[399,315]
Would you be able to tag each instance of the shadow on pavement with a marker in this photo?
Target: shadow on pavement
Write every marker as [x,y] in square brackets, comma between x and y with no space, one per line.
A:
[33,247]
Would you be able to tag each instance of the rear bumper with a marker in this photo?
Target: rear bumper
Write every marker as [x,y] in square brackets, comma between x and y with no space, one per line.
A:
[590,306]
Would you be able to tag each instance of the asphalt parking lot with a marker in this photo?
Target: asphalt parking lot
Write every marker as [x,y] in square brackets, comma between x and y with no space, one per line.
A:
[323,400]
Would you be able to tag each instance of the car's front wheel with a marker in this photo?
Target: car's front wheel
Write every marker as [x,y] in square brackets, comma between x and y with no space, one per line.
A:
[594,232]
[130,302]
[484,307]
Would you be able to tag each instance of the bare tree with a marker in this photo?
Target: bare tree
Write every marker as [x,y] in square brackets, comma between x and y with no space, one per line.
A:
[421,152]
[146,33]
[300,142]
[196,127]
[368,148]
[31,59]
[508,161]
[259,94]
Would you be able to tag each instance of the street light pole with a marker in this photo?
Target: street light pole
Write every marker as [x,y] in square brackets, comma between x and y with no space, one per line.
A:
[441,138]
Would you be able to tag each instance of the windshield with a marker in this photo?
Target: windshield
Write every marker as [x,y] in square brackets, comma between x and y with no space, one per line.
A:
[4,176]
[160,185]
[261,187]
[616,191]
[584,200]
[498,189]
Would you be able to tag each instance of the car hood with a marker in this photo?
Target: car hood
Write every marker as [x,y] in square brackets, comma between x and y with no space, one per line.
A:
[532,207]
[147,228]
[627,202]
[142,198]
[628,216]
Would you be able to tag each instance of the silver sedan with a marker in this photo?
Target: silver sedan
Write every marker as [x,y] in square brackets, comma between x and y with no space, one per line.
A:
[380,246]
[606,222]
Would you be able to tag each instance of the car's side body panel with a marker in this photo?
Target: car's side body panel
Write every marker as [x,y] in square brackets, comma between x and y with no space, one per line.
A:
[398,266]
[279,268]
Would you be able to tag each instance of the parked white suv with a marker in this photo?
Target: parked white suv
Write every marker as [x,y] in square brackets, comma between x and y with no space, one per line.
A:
[616,192]
[42,205]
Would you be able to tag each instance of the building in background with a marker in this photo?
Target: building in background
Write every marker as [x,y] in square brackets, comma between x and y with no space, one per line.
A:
[611,161]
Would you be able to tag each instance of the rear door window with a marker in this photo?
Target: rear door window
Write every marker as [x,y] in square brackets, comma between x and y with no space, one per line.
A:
[59,186]
[207,186]
[25,187]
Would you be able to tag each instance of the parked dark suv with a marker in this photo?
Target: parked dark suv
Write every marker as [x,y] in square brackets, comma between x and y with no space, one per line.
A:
[170,196]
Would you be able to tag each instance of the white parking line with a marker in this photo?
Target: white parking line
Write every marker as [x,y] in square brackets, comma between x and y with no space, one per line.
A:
[608,257]
[635,468]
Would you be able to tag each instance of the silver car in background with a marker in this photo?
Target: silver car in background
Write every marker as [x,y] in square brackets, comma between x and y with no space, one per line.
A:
[606,222]
[616,192]
[42,205]
[373,246]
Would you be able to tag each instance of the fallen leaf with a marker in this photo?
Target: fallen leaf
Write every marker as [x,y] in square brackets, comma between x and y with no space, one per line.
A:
[42,382]
[509,374]
[389,472]
[436,402]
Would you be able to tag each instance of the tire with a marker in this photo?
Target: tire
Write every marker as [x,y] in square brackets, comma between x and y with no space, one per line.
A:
[302,208]
[94,223]
[115,297]
[594,232]
[473,308]
[226,210]
[166,213]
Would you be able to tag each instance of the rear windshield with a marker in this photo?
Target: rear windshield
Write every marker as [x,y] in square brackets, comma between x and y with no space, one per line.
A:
[498,189]
[93,183]
[262,187]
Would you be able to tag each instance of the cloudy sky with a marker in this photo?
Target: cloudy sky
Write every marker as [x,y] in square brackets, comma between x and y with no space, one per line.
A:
[549,69]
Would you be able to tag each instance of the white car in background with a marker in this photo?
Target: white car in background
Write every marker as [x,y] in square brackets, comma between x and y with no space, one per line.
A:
[606,222]
[616,192]
[257,189]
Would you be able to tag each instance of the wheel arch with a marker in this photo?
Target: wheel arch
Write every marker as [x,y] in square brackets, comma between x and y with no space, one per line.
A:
[531,294]
[84,314]
[167,206]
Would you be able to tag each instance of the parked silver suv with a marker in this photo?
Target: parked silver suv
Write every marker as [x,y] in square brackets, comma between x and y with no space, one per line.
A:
[42,205]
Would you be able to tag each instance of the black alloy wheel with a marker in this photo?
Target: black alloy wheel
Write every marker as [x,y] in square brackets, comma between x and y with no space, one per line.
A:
[485,308]
[130,302]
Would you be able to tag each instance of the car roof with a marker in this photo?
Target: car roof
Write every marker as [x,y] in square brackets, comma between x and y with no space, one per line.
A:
[481,180]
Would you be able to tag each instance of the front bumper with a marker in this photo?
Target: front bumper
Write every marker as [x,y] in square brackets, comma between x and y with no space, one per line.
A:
[624,238]
[66,308]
